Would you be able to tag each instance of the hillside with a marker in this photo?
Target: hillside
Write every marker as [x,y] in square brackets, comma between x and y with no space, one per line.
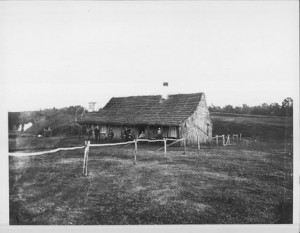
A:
[265,127]
[61,121]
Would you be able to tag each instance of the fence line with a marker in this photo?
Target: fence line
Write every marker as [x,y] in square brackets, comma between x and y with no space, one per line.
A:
[217,139]
[226,139]
[239,137]
[88,145]
[235,136]
[228,142]
[176,140]
[171,139]
[19,154]
[111,144]
[147,140]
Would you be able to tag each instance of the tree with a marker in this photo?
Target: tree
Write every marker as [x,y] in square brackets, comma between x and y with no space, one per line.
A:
[214,108]
[246,109]
[13,120]
[287,106]
[275,109]
[287,102]
[228,108]
[238,110]
[265,109]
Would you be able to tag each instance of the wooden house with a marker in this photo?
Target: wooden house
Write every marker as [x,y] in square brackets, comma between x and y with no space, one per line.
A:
[178,116]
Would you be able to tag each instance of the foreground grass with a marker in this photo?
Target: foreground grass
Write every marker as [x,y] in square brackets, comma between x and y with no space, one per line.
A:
[223,185]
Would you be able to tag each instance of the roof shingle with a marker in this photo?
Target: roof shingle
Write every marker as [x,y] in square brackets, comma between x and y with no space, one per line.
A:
[140,110]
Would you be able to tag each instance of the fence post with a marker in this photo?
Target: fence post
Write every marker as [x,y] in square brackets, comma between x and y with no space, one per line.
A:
[135,151]
[165,145]
[240,137]
[83,167]
[198,141]
[184,144]
[217,140]
[223,137]
[85,159]
[85,150]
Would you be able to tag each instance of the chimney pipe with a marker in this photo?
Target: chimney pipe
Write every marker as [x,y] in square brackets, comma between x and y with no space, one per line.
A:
[165,90]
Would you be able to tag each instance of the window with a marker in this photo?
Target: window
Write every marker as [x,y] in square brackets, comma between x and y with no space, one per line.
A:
[103,129]
[172,132]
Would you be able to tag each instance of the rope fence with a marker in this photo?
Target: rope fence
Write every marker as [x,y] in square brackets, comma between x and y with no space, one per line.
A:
[176,140]
[88,145]
[111,144]
[225,141]
[148,140]
[19,154]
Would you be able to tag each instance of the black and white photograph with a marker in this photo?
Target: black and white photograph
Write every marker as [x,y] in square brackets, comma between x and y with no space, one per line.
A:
[144,114]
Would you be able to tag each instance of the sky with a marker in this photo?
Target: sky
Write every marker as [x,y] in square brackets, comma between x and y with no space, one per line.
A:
[58,54]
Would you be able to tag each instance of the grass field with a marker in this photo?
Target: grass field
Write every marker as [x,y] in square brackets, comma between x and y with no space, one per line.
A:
[262,127]
[241,184]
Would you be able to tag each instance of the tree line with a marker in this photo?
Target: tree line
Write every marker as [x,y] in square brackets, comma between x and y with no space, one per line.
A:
[17,118]
[274,109]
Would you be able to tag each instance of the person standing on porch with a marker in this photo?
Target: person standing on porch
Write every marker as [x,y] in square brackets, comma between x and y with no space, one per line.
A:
[93,132]
[110,135]
[126,132]
[96,131]
[159,133]
[88,130]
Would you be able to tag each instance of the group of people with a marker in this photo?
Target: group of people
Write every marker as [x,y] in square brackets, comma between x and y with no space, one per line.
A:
[129,135]
[158,136]
[47,132]
[96,134]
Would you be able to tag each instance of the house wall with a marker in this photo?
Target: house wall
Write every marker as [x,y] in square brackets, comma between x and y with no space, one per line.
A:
[196,125]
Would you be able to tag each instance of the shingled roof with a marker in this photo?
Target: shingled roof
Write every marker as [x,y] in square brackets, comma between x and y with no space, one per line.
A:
[141,110]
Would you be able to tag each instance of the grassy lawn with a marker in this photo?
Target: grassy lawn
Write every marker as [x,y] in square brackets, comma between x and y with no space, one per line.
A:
[238,184]
[254,126]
